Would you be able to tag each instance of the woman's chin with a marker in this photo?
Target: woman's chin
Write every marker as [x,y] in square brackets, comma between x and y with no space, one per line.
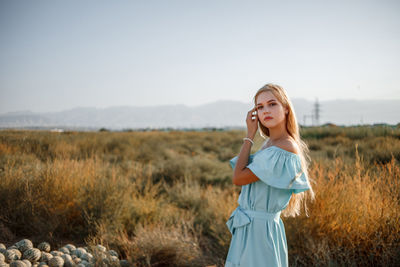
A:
[269,124]
[266,124]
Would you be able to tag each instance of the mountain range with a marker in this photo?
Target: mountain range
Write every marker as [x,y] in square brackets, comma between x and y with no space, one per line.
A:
[219,114]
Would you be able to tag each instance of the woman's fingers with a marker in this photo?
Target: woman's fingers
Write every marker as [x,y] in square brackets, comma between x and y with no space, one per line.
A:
[254,112]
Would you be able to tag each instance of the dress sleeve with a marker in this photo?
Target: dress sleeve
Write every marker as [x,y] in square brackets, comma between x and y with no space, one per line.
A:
[277,168]
[233,161]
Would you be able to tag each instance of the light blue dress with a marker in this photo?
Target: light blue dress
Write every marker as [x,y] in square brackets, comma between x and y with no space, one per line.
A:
[258,233]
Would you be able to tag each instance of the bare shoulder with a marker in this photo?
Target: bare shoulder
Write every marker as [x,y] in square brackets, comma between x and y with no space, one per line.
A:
[289,145]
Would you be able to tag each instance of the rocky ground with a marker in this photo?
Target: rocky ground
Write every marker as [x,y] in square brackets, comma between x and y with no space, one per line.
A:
[24,254]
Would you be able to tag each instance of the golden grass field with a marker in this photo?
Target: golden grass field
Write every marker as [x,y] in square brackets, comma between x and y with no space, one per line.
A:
[162,198]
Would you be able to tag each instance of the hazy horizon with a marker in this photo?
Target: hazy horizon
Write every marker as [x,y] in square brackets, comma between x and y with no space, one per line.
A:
[189,106]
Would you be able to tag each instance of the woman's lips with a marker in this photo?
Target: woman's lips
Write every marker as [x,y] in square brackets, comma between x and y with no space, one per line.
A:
[267,118]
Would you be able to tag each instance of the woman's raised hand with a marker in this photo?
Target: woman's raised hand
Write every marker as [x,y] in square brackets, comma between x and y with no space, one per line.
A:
[252,123]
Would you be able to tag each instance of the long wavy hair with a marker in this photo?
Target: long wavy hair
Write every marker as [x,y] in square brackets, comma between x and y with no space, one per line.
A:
[292,127]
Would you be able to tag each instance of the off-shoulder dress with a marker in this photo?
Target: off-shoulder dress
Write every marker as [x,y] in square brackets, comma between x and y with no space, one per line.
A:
[258,233]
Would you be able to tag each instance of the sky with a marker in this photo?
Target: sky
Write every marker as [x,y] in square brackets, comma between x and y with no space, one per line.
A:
[58,55]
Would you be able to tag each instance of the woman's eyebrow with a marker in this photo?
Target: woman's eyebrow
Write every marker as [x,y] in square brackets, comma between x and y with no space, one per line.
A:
[267,101]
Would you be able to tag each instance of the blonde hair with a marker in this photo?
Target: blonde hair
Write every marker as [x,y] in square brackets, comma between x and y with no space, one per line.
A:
[293,208]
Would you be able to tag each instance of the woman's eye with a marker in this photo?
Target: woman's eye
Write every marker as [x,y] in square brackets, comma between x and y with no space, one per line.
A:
[272,104]
[258,107]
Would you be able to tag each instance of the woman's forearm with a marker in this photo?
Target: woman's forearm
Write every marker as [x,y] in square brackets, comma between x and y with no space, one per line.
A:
[243,156]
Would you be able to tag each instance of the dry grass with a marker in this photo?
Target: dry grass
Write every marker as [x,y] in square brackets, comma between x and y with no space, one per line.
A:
[355,218]
[162,199]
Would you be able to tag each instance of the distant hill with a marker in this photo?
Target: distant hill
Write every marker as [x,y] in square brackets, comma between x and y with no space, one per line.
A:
[216,114]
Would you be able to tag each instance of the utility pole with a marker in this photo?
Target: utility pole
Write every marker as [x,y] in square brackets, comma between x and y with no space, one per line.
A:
[316,112]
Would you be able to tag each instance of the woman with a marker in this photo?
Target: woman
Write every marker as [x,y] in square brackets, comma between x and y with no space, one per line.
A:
[274,181]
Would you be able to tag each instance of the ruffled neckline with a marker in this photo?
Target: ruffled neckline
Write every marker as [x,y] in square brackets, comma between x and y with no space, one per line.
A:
[280,149]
